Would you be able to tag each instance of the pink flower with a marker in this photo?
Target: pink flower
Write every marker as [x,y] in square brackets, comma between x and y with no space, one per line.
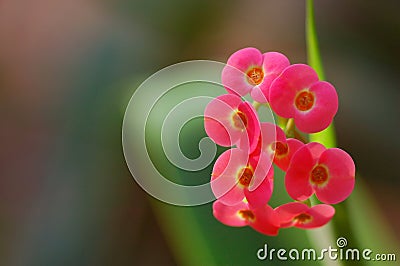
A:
[300,215]
[236,177]
[297,93]
[329,173]
[228,121]
[273,141]
[248,70]
[262,219]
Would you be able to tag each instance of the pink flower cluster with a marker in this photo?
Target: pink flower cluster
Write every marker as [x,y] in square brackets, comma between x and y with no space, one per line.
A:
[243,176]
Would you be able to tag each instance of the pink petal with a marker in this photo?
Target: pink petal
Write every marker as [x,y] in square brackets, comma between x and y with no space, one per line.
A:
[233,196]
[218,132]
[285,87]
[341,179]
[235,81]
[273,65]
[229,215]
[293,146]
[287,212]
[250,136]
[298,174]
[266,222]
[262,193]
[225,173]
[245,58]
[269,133]
[257,94]
[280,134]
[218,119]
[321,214]
[316,150]
[321,114]
[326,97]
[234,76]
[262,166]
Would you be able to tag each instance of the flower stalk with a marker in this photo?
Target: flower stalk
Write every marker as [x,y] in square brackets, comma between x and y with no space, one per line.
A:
[327,137]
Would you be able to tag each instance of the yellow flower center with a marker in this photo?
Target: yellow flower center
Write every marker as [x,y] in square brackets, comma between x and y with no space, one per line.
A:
[319,175]
[255,75]
[304,101]
[247,215]
[246,176]
[302,218]
[280,148]
[239,120]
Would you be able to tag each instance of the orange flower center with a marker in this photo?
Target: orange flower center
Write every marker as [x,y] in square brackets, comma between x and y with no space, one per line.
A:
[280,148]
[239,120]
[319,175]
[304,101]
[255,75]
[246,176]
[247,214]
[302,218]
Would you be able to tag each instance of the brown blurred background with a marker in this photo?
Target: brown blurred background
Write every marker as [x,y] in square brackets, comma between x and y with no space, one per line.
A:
[68,69]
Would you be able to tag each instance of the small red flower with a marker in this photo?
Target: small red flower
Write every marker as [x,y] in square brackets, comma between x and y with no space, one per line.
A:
[237,176]
[250,71]
[300,215]
[329,173]
[228,121]
[262,219]
[297,93]
[273,141]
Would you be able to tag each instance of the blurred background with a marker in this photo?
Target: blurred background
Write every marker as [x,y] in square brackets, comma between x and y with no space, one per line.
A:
[68,70]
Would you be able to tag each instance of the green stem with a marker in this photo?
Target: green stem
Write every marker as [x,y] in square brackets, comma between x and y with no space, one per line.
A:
[291,131]
[327,137]
[325,235]
[282,122]
[290,128]
[313,54]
